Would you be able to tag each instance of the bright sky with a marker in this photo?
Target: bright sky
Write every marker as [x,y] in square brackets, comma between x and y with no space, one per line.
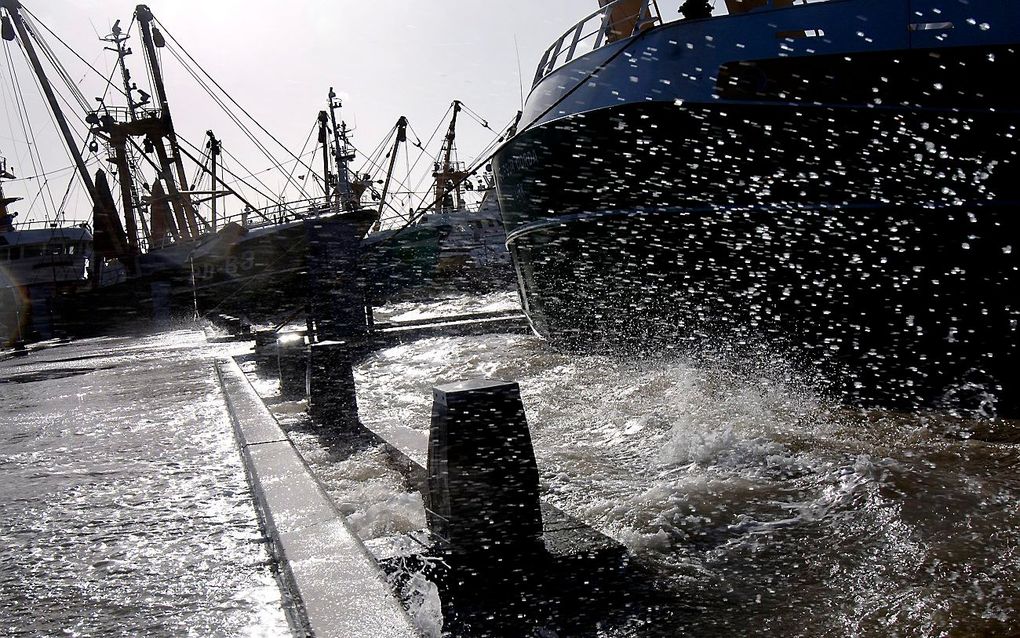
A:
[386,57]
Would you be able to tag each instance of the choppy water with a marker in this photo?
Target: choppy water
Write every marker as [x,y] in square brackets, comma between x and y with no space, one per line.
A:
[125,507]
[772,510]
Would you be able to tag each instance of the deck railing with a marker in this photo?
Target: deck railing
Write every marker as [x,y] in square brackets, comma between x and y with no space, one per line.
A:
[280,213]
[252,219]
[42,224]
[596,31]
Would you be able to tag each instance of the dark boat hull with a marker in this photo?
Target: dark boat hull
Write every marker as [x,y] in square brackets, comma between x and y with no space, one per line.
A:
[909,321]
[449,251]
[398,261]
[264,274]
[875,245]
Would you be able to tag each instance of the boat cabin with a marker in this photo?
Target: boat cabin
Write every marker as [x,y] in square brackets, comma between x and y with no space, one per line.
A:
[45,255]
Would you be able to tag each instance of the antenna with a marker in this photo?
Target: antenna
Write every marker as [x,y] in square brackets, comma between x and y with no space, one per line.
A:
[520,80]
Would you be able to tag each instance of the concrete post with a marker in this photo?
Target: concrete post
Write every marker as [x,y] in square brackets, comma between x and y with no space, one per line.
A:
[265,349]
[336,295]
[332,395]
[483,479]
[162,303]
[292,357]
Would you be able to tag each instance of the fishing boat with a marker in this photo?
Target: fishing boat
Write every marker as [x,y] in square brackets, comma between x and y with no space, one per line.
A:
[38,262]
[276,260]
[158,257]
[456,240]
[833,179]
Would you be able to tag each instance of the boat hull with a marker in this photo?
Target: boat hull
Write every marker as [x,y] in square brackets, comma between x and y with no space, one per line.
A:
[274,270]
[448,251]
[875,245]
[263,274]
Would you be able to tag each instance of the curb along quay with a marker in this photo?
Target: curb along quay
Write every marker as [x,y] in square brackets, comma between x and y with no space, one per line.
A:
[127,489]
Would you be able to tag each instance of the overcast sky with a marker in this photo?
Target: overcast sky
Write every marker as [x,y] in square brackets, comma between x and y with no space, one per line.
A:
[386,57]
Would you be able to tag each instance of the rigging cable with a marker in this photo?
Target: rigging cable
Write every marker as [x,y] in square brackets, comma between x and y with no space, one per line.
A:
[378,167]
[244,129]
[266,170]
[533,122]
[58,211]
[303,147]
[375,162]
[476,164]
[75,53]
[76,93]
[228,96]
[267,193]
[235,176]
[424,150]
[26,126]
[44,175]
[377,151]
[62,72]
[475,116]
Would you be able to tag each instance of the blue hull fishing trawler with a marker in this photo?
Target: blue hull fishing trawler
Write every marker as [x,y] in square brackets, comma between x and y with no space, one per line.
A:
[835,179]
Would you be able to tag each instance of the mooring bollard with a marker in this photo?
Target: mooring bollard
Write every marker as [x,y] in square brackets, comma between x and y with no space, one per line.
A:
[265,349]
[292,357]
[162,305]
[483,480]
[332,395]
[232,325]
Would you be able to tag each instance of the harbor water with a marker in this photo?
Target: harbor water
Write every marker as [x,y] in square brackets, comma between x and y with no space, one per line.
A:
[125,509]
[760,504]
[768,508]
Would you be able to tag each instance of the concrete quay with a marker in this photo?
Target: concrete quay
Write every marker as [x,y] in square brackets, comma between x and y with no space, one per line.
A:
[335,585]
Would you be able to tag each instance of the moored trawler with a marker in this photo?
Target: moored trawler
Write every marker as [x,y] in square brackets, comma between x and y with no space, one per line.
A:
[837,179]
[155,255]
[38,262]
[450,242]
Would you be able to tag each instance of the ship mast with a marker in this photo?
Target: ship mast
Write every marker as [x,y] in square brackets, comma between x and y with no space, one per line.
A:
[118,38]
[108,234]
[151,40]
[13,8]
[214,152]
[448,178]
[324,140]
[401,137]
[6,219]
[347,195]
[118,139]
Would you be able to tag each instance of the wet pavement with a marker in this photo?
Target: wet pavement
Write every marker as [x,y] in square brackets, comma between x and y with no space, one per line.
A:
[125,506]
